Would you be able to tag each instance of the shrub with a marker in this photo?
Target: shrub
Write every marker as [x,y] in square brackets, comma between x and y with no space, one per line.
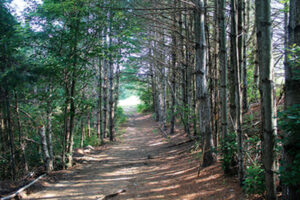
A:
[146,98]
[92,140]
[289,122]
[254,180]
[228,152]
[120,116]
[142,108]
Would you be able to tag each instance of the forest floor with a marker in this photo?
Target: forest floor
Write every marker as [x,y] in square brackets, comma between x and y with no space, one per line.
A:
[143,165]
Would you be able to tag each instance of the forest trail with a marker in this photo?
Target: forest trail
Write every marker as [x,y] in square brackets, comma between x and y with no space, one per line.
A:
[146,165]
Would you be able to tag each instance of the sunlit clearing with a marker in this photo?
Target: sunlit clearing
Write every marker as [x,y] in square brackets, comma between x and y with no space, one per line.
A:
[130,101]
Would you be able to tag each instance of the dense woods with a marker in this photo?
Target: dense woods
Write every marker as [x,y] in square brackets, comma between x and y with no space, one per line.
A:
[226,73]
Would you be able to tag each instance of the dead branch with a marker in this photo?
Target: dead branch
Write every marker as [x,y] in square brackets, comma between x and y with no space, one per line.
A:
[23,188]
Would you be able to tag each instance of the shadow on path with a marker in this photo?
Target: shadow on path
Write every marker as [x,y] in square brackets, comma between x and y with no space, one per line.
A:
[147,166]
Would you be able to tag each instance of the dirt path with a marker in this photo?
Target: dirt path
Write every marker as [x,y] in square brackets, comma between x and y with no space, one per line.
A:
[147,166]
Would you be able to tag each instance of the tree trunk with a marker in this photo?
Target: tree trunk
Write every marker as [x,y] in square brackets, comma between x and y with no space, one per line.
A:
[9,130]
[49,135]
[116,98]
[111,83]
[264,42]
[173,76]
[292,95]
[71,125]
[183,68]
[163,97]
[105,98]
[66,131]
[244,64]
[237,84]
[75,27]
[88,123]
[82,132]
[21,136]
[201,83]
[223,68]
[153,83]
[99,110]
[188,70]
[46,157]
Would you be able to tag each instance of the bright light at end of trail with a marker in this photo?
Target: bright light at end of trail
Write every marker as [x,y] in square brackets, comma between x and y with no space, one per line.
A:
[130,101]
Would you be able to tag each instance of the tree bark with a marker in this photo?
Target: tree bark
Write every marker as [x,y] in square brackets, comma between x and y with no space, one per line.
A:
[99,110]
[82,132]
[9,130]
[292,95]
[264,42]
[201,84]
[110,80]
[223,68]
[105,98]
[46,157]
[244,63]
[235,61]
[21,136]
[173,76]
[116,97]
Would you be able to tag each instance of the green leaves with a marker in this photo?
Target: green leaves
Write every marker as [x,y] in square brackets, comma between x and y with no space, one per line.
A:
[255,180]
[289,123]
[228,152]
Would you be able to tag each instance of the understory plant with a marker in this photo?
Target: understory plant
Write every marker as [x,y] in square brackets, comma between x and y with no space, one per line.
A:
[289,123]
[228,152]
[254,179]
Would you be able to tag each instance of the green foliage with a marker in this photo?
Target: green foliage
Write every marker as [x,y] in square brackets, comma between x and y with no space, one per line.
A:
[120,117]
[92,140]
[146,97]
[252,77]
[254,180]
[228,151]
[142,108]
[293,54]
[289,123]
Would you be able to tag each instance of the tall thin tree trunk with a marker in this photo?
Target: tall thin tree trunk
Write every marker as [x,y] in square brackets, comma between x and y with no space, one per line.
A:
[73,73]
[21,136]
[292,94]
[105,98]
[9,130]
[82,132]
[46,156]
[173,76]
[223,67]
[66,133]
[99,109]
[49,135]
[71,125]
[183,68]
[202,88]
[116,97]
[153,83]
[163,100]
[157,79]
[264,42]
[188,77]
[237,84]
[88,123]
[111,83]
[244,64]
